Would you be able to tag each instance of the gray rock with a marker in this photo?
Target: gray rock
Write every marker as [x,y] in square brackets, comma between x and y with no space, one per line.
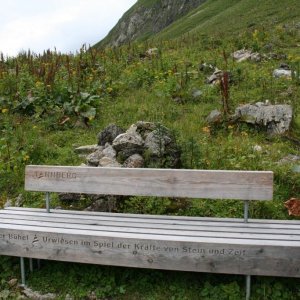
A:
[29,293]
[196,93]
[103,204]
[206,68]
[108,134]
[215,77]
[144,128]
[214,117]
[128,143]
[244,54]
[19,200]
[8,203]
[278,73]
[134,161]
[161,149]
[85,150]
[289,159]
[69,197]
[152,52]
[284,66]
[93,159]
[109,151]
[275,118]
[13,282]
[109,162]
[156,142]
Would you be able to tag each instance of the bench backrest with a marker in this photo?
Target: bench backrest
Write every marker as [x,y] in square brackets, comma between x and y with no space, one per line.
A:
[208,184]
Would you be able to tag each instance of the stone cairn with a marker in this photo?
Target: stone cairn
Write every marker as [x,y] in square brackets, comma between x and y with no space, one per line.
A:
[143,145]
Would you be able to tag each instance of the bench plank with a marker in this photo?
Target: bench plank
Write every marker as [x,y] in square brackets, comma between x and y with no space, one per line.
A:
[101,223]
[242,185]
[214,232]
[157,219]
[221,255]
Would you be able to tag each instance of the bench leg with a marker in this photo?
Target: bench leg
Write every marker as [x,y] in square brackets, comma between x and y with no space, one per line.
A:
[31,264]
[22,265]
[248,287]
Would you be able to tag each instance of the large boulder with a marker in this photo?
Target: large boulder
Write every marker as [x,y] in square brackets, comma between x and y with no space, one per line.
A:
[275,118]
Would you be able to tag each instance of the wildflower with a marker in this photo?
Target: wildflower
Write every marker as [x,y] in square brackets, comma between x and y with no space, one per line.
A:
[25,157]
[206,129]
[230,127]
[109,89]
[4,110]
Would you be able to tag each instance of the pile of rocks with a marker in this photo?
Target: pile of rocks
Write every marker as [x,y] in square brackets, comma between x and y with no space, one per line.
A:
[144,144]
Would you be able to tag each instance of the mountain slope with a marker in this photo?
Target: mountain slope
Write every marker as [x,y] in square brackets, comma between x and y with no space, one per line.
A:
[146,18]
[168,19]
[231,16]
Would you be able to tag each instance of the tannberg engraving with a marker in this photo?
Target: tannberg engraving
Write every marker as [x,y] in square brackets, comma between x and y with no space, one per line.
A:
[55,175]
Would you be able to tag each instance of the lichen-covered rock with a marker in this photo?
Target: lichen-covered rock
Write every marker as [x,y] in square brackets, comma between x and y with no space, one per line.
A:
[144,128]
[244,54]
[214,117]
[103,203]
[278,73]
[109,162]
[109,151]
[275,118]
[85,150]
[108,134]
[156,142]
[128,143]
[93,159]
[134,161]
[215,77]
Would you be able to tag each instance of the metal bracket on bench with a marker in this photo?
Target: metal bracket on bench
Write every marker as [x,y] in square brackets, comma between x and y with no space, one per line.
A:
[47,198]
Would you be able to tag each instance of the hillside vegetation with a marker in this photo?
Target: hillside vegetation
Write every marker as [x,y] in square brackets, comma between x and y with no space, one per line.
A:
[51,103]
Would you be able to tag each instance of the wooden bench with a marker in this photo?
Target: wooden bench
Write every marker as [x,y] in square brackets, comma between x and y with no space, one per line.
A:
[201,244]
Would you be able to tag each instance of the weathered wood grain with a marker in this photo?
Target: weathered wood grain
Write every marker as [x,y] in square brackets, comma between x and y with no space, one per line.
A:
[157,219]
[120,223]
[213,232]
[157,252]
[244,185]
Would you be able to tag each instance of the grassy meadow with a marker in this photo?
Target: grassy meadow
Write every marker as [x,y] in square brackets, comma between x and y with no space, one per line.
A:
[52,102]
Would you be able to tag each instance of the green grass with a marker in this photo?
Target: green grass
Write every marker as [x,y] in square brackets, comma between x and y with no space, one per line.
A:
[40,117]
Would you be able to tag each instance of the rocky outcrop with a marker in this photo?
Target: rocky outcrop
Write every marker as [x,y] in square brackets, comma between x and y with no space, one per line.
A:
[145,19]
[275,118]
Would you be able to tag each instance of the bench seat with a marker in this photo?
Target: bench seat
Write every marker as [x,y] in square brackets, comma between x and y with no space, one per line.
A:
[201,244]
